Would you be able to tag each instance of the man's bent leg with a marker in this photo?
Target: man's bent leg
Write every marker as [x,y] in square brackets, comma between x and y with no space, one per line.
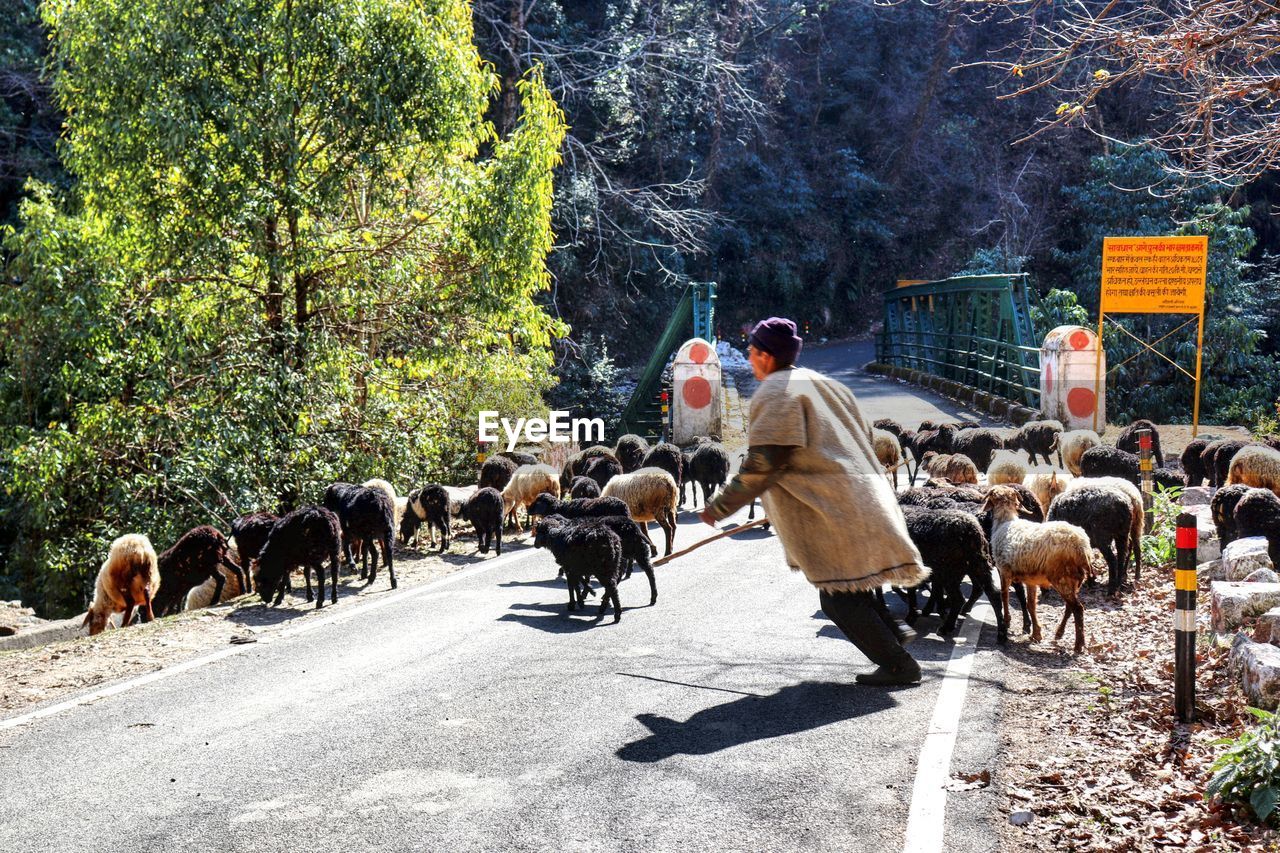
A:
[855,614]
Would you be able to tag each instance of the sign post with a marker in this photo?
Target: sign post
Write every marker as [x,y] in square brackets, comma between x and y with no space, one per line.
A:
[1154,275]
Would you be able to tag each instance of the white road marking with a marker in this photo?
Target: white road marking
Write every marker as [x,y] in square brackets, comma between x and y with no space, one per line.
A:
[926,822]
[305,627]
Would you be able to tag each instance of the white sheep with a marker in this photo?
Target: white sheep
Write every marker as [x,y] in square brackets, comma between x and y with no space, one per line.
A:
[650,494]
[1006,467]
[1052,553]
[957,468]
[129,578]
[202,595]
[525,485]
[888,451]
[1257,466]
[1046,483]
[1072,445]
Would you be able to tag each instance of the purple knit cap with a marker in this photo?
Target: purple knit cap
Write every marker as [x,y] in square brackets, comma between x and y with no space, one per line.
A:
[777,336]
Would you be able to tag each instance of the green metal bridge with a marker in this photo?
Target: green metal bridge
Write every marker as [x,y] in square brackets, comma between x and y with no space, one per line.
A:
[975,330]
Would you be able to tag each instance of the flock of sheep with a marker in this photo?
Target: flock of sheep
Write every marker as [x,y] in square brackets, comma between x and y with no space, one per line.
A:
[598,532]
[1039,523]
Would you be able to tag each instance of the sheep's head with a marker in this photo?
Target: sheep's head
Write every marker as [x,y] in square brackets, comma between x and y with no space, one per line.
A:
[409,523]
[1003,502]
[543,504]
[540,532]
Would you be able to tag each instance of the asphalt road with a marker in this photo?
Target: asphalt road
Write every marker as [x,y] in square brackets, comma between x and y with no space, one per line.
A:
[475,714]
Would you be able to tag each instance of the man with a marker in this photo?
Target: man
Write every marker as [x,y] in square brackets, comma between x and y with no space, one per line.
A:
[812,463]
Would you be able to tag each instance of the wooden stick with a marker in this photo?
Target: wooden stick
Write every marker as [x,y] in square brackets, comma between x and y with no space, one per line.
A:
[720,535]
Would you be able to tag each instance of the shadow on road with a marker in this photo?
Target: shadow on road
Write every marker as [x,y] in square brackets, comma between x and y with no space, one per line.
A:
[798,708]
[558,620]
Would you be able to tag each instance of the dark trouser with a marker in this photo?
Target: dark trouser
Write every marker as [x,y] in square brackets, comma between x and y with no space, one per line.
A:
[868,625]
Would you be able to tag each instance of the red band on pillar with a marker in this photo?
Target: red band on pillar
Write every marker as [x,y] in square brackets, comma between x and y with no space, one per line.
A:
[1144,441]
[1187,537]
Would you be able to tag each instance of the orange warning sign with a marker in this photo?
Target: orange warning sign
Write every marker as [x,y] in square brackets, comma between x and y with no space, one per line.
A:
[1153,275]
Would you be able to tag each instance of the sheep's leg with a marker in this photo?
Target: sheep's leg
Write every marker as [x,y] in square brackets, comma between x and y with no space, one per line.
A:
[127,617]
[644,528]
[1115,575]
[373,574]
[610,594]
[239,572]
[1079,609]
[497,540]
[306,575]
[1135,547]
[386,558]
[653,583]
[1033,592]
[333,576]
[218,582]
[1004,597]
[148,614]
[571,581]
[1021,592]
[982,582]
[668,525]
[319,570]
[955,599]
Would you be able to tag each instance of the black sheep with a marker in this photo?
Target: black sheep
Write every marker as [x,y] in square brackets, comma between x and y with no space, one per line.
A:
[1223,507]
[1192,464]
[636,548]
[1222,460]
[496,472]
[1105,514]
[1107,461]
[367,516]
[1037,438]
[584,551]
[978,445]
[709,468]
[938,439]
[583,487]
[484,510]
[549,504]
[603,469]
[667,457]
[194,558]
[631,450]
[251,532]
[1209,459]
[519,457]
[1127,440]
[577,464]
[1167,478]
[1258,514]
[952,544]
[686,468]
[429,504]
[305,537]
[890,425]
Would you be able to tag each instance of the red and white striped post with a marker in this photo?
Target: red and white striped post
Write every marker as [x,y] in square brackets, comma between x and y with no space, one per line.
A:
[1144,466]
[1184,619]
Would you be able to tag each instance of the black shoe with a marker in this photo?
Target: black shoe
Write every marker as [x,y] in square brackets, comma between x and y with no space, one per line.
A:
[891,676]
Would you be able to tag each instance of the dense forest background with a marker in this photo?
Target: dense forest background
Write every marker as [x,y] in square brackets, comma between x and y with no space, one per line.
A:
[503,193]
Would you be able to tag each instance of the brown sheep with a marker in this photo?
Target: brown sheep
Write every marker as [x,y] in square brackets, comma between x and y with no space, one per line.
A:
[129,578]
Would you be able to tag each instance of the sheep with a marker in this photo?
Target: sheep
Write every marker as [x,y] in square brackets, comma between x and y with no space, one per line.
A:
[1127,440]
[1072,445]
[195,557]
[1053,553]
[686,469]
[250,533]
[496,472]
[930,438]
[1258,514]
[631,451]
[889,425]
[709,469]
[485,510]
[584,487]
[650,495]
[1105,514]
[952,544]
[978,444]
[957,469]
[584,551]
[519,457]
[1037,438]
[602,469]
[429,504]
[459,495]
[888,452]
[382,486]
[367,516]
[635,548]
[527,483]
[1046,483]
[1255,465]
[305,537]
[548,504]
[1192,465]
[1107,461]
[576,465]
[129,578]
[1217,459]
[1006,467]
[668,457]
[1223,507]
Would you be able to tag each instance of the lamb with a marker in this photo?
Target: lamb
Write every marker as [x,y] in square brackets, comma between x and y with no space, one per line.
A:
[1006,467]
[1046,483]
[198,555]
[668,457]
[526,484]
[305,537]
[1217,459]
[496,472]
[888,452]
[1192,464]
[1072,445]
[957,469]
[952,544]
[1037,438]
[429,504]
[485,510]
[1223,506]
[1127,440]
[650,495]
[1106,515]
[709,469]
[583,487]
[1053,554]
[1258,514]
[584,551]
[367,516]
[603,469]
[978,444]
[129,578]
[1255,465]
[631,451]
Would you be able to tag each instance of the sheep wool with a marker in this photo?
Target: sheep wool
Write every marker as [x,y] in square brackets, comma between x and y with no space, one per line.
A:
[1006,467]
[841,545]
[129,578]
[1255,465]
[1072,445]
[526,484]
[888,451]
